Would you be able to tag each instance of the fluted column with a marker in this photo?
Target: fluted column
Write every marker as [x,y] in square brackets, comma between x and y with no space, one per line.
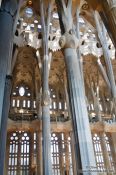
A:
[105,154]
[109,17]
[83,141]
[3,133]
[7,14]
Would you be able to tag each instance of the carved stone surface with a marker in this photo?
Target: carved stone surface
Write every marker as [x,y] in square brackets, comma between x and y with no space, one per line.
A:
[46,98]
[69,40]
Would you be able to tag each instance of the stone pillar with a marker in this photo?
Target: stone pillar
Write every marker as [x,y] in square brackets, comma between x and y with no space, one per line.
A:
[5,111]
[67,158]
[7,155]
[47,168]
[39,152]
[83,141]
[0,2]
[113,148]
[107,162]
[46,128]
[61,161]
[31,154]
[74,168]
[109,17]
[7,15]
[19,154]
[81,128]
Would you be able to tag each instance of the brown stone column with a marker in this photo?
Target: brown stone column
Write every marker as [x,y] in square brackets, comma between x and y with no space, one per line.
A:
[31,154]
[67,158]
[7,155]
[39,152]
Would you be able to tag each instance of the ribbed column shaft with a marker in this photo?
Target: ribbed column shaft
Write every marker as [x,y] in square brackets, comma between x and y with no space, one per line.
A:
[82,133]
[3,133]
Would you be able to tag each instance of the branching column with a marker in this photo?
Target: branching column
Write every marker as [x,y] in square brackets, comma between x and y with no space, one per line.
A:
[82,133]
[109,7]
[46,133]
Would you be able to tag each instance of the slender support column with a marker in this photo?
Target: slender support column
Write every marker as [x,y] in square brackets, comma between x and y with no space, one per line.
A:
[0,2]
[7,15]
[46,133]
[73,154]
[109,17]
[19,155]
[67,159]
[3,133]
[61,162]
[103,40]
[79,110]
[31,154]
[39,153]
[105,153]
[82,134]
[7,156]
[113,150]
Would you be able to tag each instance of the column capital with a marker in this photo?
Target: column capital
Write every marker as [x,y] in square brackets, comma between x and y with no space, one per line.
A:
[69,40]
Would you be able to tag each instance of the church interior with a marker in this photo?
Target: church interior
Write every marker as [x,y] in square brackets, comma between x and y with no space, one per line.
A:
[57,87]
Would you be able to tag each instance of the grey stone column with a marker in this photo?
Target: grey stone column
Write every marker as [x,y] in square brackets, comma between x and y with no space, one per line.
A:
[47,168]
[46,133]
[85,158]
[109,17]
[107,162]
[0,2]
[3,133]
[113,149]
[79,113]
[7,15]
